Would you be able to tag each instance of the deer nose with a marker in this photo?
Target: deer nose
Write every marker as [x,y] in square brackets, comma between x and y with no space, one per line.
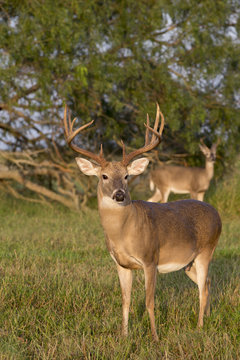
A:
[119,195]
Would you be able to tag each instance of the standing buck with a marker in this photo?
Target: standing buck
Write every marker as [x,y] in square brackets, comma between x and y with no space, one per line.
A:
[183,180]
[149,236]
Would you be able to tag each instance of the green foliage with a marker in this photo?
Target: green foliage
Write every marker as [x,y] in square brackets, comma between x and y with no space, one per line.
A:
[226,198]
[112,61]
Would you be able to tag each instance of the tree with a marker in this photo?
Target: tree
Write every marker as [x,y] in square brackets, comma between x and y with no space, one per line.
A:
[111,61]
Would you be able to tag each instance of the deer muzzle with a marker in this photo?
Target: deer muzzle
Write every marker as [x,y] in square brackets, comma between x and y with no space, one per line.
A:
[119,195]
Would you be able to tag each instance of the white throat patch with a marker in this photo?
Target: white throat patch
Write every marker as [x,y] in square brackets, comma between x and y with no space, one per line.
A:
[108,203]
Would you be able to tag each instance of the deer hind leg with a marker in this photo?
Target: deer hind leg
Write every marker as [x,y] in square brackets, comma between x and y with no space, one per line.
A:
[165,195]
[125,278]
[200,196]
[157,196]
[202,264]
[191,272]
[194,195]
[197,196]
[150,284]
[198,273]
[207,309]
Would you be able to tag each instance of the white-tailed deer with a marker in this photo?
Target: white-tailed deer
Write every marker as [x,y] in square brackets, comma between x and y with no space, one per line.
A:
[183,180]
[149,236]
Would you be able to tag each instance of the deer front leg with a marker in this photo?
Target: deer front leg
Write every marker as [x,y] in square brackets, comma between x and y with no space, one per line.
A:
[125,278]
[157,196]
[150,284]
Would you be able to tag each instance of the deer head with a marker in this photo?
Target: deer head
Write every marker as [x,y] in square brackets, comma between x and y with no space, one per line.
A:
[113,176]
[210,154]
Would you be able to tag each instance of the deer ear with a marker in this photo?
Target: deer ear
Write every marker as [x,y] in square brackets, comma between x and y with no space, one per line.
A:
[137,166]
[87,167]
[204,149]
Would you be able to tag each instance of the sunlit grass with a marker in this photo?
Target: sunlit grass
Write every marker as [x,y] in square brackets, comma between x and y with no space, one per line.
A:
[60,296]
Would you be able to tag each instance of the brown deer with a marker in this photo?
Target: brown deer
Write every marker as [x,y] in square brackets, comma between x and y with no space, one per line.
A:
[149,236]
[183,180]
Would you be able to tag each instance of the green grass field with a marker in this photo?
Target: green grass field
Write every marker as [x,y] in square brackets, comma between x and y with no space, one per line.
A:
[60,296]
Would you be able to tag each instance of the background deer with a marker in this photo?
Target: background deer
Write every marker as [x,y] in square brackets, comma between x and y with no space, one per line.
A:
[183,180]
[149,236]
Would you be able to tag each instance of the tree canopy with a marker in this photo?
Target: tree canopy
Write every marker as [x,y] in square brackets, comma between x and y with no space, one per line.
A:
[111,61]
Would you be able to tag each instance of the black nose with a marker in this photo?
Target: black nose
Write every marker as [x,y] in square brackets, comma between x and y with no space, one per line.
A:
[119,195]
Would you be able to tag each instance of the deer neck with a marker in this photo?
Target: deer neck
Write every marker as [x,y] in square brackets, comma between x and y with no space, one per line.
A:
[209,167]
[114,215]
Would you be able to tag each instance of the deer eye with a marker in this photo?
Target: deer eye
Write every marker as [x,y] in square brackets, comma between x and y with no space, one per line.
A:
[105,177]
[126,177]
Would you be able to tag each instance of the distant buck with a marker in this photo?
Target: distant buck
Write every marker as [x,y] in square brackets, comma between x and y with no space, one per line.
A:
[183,180]
[149,236]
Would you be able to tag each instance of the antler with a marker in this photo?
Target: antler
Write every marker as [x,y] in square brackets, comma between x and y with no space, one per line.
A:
[215,145]
[202,143]
[70,135]
[149,145]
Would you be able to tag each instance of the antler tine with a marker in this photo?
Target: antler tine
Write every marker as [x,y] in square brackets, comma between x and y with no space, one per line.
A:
[162,121]
[65,122]
[155,140]
[70,135]
[123,149]
[154,136]
[77,131]
[147,132]
[101,152]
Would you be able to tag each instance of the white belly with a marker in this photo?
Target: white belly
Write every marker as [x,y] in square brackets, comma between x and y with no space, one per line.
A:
[179,191]
[169,267]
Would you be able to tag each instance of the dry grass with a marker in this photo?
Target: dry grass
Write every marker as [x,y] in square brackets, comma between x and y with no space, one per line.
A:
[60,297]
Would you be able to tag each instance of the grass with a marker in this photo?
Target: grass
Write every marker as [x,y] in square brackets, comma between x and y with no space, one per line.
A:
[60,296]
